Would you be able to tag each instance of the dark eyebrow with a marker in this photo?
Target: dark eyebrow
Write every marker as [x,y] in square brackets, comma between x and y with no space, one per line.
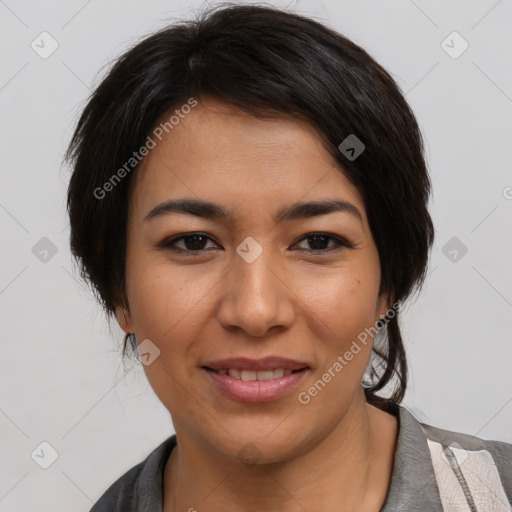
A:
[210,210]
[319,207]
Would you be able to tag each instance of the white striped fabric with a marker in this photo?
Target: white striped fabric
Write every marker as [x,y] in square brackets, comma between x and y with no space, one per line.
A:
[468,480]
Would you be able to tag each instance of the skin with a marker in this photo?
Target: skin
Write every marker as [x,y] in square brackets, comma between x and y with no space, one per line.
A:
[336,452]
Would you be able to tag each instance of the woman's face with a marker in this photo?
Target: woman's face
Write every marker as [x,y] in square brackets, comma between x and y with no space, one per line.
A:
[253,285]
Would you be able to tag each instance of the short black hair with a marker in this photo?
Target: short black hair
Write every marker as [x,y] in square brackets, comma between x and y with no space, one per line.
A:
[268,62]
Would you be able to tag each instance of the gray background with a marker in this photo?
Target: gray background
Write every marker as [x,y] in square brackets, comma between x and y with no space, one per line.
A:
[62,379]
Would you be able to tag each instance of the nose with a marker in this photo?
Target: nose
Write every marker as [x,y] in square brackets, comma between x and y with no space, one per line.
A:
[255,297]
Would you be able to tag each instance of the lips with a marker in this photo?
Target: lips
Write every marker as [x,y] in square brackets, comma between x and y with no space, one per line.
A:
[255,380]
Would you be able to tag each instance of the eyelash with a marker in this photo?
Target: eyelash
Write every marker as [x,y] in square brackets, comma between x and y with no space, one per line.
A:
[169,244]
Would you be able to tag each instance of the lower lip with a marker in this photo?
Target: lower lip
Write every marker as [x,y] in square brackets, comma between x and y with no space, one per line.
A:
[255,391]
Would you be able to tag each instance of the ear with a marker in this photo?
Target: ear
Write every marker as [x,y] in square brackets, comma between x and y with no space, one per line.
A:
[383,305]
[124,319]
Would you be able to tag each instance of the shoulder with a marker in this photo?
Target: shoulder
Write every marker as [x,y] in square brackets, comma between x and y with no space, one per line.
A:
[477,467]
[121,494]
[140,488]
[469,446]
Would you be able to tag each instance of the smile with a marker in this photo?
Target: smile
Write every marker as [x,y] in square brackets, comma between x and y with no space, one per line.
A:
[248,375]
[251,386]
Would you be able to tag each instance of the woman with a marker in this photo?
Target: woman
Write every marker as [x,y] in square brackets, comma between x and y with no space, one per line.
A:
[249,200]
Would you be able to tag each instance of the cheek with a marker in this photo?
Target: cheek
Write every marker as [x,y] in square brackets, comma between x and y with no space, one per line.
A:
[342,312]
[344,325]
[344,301]
[168,308]
[162,295]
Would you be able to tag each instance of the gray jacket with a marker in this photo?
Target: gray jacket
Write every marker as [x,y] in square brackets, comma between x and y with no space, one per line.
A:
[434,470]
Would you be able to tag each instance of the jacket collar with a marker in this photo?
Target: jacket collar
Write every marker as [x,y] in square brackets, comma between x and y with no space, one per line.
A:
[413,486]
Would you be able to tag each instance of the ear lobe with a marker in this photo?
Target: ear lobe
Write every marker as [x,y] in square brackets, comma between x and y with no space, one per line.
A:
[383,305]
[124,319]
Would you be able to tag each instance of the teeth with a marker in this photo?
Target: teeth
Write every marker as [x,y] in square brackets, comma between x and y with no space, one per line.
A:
[248,375]
[234,373]
[265,375]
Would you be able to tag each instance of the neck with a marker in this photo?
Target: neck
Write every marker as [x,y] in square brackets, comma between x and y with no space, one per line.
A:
[348,469]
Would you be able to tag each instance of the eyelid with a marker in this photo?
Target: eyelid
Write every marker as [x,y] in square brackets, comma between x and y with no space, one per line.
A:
[169,243]
[339,242]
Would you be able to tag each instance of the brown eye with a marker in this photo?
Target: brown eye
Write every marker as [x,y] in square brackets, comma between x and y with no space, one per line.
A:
[192,243]
[319,242]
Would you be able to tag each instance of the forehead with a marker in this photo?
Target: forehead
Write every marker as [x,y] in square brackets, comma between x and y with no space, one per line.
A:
[223,154]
